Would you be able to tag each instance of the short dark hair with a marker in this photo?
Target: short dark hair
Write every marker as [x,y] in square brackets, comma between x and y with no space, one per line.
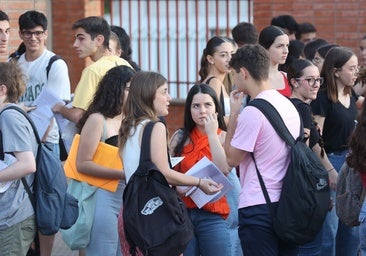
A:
[3,16]
[245,33]
[254,58]
[95,26]
[285,21]
[323,50]
[32,19]
[311,47]
[296,69]
[304,28]
[269,34]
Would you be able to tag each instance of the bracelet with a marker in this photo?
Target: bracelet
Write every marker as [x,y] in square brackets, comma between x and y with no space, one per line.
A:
[330,169]
[199,182]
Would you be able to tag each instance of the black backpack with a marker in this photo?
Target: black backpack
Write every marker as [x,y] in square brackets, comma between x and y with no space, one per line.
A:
[305,195]
[155,218]
[54,207]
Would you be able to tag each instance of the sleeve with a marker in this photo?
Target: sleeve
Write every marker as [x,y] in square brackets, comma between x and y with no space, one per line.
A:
[321,104]
[85,89]
[247,130]
[15,133]
[58,79]
[306,115]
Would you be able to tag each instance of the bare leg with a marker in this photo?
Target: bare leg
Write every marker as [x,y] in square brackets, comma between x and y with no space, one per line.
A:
[46,244]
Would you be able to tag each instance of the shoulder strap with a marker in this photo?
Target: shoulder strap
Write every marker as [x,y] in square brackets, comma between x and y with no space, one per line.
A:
[104,132]
[29,120]
[209,80]
[25,184]
[275,119]
[145,154]
[50,62]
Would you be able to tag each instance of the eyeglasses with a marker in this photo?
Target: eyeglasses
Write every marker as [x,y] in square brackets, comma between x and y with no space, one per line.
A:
[28,34]
[355,69]
[311,80]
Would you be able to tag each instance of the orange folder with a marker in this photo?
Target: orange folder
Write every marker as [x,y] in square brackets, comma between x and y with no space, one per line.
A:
[106,155]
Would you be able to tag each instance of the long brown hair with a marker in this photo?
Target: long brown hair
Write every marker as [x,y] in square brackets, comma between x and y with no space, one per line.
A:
[335,60]
[140,102]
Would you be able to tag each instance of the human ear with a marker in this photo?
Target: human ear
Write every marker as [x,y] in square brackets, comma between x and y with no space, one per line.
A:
[3,90]
[336,72]
[294,82]
[210,59]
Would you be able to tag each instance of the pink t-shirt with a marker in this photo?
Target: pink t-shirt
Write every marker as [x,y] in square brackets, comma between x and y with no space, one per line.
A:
[255,134]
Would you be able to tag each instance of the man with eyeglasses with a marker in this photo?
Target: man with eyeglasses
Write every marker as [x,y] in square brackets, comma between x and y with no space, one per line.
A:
[33,32]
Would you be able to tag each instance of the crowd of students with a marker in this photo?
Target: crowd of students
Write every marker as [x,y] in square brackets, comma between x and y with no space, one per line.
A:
[114,100]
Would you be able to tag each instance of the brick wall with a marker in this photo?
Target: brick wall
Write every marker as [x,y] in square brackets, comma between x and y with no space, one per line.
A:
[341,22]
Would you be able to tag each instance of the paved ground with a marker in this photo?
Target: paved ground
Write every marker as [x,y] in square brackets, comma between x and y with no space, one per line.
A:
[61,249]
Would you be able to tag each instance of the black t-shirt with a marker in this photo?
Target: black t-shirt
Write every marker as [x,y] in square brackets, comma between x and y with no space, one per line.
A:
[307,120]
[339,121]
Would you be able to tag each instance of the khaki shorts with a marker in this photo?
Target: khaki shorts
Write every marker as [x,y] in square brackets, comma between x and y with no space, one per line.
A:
[15,241]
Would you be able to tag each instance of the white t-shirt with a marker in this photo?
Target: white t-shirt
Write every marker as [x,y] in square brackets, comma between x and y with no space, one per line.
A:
[58,82]
[131,152]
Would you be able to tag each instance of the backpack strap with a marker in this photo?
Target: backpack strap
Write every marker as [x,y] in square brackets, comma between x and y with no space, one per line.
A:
[145,153]
[32,198]
[29,120]
[50,62]
[271,113]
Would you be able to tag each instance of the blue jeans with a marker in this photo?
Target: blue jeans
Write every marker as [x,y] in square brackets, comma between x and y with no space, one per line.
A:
[211,236]
[362,229]
[338,239]
[313,248]
[104,239]
[232,220]
[257,235]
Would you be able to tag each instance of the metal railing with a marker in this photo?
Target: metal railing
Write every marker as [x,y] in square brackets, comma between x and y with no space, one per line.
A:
[169,36]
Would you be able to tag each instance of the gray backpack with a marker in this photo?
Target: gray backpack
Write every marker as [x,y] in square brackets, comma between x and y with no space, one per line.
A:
[349,196]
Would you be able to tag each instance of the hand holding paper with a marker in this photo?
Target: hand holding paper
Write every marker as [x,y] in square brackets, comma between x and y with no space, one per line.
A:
[206,169]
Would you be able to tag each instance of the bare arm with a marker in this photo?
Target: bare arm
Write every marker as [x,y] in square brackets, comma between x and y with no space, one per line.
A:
[333,175]
[160,159]
[25,164]
[89,140]
[216,147]
[233,155]
[73,114]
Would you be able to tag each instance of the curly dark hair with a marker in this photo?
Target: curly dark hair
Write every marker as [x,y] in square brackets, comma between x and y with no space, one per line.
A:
[108,98]
[357,144]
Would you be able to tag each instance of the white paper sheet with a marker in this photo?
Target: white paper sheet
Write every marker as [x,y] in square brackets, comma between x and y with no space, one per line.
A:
[206,169]
[43,114]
